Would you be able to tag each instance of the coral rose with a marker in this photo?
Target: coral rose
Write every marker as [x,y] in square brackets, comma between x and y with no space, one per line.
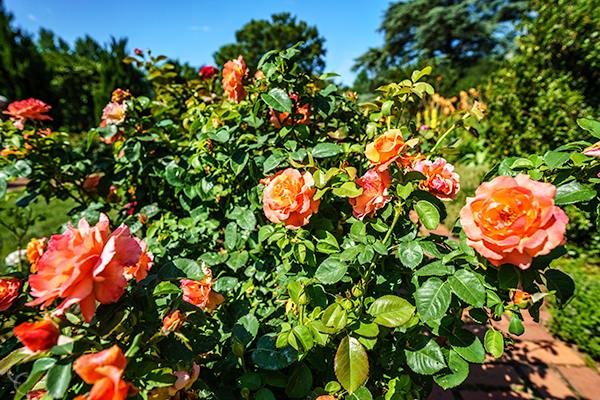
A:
[374,196]
[27,109]
[441,180]
[234,72]
[512,220]
[42,335]
[387,148]
[284,117]
[140,270]
[114,113]
[9,290]
[522,299]
[104,370]
[208,73]
[199,293]
[84,265]
[172,322]
[35,249]
[288,197]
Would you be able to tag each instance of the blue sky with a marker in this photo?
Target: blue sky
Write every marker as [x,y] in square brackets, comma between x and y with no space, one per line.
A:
[193,30]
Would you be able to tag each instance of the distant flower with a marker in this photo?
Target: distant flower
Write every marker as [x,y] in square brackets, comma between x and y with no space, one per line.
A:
[138,52]
[27,109]
[90,185]
[374,196]
[199,293]
[259,75]
[42,335]
[119,96]
[84,265]
[35,249]
[208,73]
[9,290]
[440,178]
[423,127]
[114,113]
[234,72]
[285,117]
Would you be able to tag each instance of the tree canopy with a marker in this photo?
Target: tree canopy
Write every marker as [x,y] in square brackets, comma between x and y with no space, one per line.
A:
[258,37]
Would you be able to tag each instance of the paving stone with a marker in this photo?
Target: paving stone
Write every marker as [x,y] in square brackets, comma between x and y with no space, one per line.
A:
[583,379]
[440,394]
[493,375]
[545,353]
[495,395]
[548,383]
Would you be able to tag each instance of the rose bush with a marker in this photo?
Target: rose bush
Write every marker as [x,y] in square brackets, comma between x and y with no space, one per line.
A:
[248,260]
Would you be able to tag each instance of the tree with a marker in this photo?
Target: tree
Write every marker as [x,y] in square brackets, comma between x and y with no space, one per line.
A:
[461,32]
[258,37]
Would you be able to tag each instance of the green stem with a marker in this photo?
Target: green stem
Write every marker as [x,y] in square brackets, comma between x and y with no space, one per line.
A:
[441,139]
[397,212]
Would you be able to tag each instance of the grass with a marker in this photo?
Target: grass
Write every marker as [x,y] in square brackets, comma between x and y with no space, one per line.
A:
[48,220]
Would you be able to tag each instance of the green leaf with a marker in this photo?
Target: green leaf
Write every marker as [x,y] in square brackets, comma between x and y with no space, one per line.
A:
[303,338]
[467,345]
[3,186]
[361,394]
[58,379]
[265,394]
[391,311]
[351,364]
[590,125]
[245,329]
[250,381]
[455,374]
[508,276]
[516,325]
[300,382]
[573,192]
[15,357]
[278,100]
[424,356]
[181,268]
[334,316]
[416,75]
[38,370]
[494,343]
[238,161]
[348,189]
[428,214]
[269,357]
[326,242]
[273,161]
[230,236]
[323,150]
[467,287]
[237,260]
[174,175]
[433,299]
[555,159]
[410,254]
[264,232]
[246,219]
[331,271]
[436,268]
[560,283]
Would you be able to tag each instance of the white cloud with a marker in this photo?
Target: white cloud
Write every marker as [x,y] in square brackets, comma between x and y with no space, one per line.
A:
[31,17]
[193,28]
[206,28]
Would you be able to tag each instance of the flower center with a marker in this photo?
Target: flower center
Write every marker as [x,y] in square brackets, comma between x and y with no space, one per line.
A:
[508,215]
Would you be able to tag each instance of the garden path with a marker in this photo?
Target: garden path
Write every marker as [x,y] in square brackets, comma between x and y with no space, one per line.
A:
[538,367]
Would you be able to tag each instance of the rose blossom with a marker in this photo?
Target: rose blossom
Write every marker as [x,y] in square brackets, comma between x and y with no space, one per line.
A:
[288,197]
[114,113]
[512,220]
[208,72]
[199,293]
[387,148]
[35,249]
[103,370]
[374,196]
[522,299]
[27,109]
[84,265]
[140,270]
[234,72]
[172,322]
[41,335]
[441,180]
[593,150]
[184,381]
[9,290]
[283,116]
[138,52]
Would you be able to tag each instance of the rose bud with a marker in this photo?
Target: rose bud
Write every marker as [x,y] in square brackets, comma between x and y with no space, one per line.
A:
[172,322]
[522,299]
[41,335]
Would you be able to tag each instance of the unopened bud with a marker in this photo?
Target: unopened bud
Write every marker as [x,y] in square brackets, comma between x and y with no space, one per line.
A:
[522,299]
[237,348]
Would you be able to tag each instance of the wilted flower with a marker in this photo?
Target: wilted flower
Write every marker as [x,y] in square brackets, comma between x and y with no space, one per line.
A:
[288,197]
[512,220]
[120,95]
[31,108]
[84,265]
[42,335]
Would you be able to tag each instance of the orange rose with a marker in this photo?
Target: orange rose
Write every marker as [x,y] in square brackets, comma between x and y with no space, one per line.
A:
[9,290]
[387,148]
[284,116]
[522,299]
[140,270]
[512,220]
[234,72]
[84,265]
[104,370]
[441,180]
[42,335]
[172,322]
[374,196]
[35,249]
[27,109]
[199,293]
[288,196]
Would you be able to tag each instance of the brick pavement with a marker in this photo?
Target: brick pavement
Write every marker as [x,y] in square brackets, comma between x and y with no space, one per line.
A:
[538,367]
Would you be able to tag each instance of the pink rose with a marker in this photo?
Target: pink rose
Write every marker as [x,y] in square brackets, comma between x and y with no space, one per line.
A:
[208,72]
[375,193]
[22,110]
[512,220]
[114,113]
[288,197]
[441,180]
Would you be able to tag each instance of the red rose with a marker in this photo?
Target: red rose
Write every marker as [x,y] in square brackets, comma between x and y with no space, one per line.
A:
[9,290]
[41,335]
